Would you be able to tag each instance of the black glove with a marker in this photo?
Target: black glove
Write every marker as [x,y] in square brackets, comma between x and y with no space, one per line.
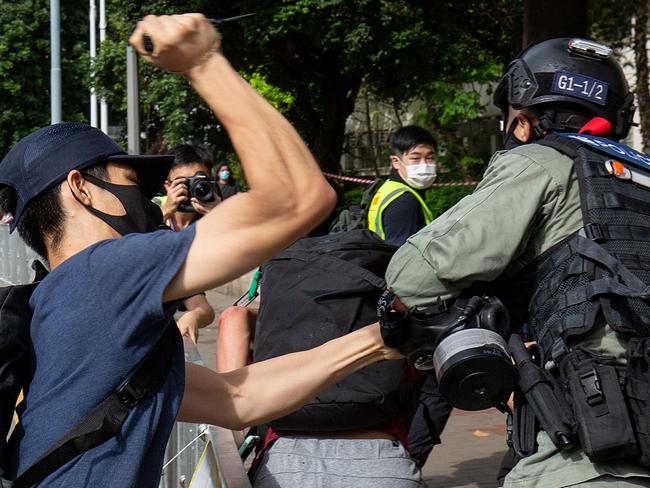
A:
[393,324]
[400,333]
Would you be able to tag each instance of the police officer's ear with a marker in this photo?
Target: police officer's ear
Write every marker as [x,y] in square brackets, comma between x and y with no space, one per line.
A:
[524,129]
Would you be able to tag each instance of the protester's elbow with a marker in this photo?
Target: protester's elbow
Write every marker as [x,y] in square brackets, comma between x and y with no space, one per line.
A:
[318,202]
[234,423]
[328,199]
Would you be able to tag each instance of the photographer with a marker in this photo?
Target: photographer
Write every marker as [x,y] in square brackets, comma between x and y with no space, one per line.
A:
[179,211]
[180,208]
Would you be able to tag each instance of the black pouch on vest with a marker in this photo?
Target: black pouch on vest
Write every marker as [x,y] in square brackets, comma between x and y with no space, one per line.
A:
[522,428]
[637,389]
[604,425]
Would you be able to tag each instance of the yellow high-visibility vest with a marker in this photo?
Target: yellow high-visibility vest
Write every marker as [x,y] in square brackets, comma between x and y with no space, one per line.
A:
[159,200]
[388,192]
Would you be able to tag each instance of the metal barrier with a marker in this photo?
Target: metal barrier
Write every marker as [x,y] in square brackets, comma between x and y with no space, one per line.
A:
[15,258]
[187,444]
[187,441]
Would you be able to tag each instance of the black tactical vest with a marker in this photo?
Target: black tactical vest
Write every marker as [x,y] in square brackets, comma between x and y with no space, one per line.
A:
[603,270]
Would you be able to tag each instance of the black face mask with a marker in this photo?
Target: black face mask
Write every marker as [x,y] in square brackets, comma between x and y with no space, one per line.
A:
[510,141]
[142,215]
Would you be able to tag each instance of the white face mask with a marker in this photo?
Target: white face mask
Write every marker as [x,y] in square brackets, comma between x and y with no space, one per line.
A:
[421,176]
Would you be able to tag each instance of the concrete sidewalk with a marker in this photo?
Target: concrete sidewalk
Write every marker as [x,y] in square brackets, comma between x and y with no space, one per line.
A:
[473,443]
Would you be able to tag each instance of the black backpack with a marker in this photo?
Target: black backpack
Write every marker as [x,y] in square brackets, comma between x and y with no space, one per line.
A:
[15,317]
[319,289]
[96,427]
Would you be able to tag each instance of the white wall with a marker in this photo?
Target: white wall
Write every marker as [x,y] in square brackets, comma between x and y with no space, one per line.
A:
[627,60]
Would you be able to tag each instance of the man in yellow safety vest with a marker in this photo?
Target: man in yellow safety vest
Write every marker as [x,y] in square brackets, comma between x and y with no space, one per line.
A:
[398,209]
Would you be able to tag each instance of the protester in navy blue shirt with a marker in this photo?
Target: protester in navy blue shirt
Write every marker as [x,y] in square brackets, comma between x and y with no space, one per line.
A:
[85,206]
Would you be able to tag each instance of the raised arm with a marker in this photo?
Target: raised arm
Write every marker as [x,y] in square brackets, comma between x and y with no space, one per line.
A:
[270,389]
[288,195]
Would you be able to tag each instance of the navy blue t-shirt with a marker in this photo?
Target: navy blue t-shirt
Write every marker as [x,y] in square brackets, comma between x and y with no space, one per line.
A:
[403,217]
[96,316]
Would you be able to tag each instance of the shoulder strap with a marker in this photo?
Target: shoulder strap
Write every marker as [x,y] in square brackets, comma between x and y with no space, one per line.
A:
[367,195]
[106,420]
[563,144]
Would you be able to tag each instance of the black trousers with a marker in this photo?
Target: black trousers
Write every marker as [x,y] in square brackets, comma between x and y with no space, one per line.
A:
[431,414]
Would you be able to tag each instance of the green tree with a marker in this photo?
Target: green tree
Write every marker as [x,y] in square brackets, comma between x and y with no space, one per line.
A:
[623,24]
[25,65]
[312,57]
[491,40]
[171,112]
[324,50]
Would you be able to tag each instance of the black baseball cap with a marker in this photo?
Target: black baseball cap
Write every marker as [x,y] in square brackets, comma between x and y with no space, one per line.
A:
[45,157]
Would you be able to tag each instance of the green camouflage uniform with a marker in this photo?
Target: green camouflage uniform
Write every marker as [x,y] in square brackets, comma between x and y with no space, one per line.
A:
[527,202]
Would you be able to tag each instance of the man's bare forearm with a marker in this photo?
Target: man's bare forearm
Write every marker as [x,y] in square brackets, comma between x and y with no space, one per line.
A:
[273,154]
[273,388]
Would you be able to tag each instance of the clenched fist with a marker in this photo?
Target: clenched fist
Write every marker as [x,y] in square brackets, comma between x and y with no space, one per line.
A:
[181,42]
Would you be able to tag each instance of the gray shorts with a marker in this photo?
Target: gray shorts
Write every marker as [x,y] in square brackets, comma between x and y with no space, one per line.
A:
[309,462]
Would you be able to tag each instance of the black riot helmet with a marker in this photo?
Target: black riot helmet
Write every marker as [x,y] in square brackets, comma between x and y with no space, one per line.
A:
[558,76]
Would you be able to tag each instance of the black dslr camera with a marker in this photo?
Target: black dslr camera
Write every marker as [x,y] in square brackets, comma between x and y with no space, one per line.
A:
[201,187]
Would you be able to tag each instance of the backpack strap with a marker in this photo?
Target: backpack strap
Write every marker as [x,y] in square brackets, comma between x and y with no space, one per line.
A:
[106,420]
[562,144]
[367,195]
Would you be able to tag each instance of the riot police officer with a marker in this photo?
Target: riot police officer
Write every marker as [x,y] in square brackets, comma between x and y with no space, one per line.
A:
[559,227]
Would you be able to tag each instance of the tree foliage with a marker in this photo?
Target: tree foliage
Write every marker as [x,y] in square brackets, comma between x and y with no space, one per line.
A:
[400,50]
[25,65]
[310,57]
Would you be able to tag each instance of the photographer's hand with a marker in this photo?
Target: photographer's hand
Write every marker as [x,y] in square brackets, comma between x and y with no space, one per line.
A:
[199,314]
[204,207]
[188,325]
[176,194]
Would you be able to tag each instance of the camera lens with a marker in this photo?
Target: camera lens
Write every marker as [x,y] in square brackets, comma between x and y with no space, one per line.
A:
[202,190]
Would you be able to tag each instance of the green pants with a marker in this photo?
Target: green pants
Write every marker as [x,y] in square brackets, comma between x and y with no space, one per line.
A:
[613,482]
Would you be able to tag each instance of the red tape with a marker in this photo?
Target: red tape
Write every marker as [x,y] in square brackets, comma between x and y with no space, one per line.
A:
[363,181]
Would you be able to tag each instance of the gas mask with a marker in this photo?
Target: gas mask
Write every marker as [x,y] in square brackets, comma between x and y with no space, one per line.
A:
[142,215]
[462,340]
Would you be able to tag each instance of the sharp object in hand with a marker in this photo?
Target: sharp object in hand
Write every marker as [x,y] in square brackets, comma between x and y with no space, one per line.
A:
[147,43]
